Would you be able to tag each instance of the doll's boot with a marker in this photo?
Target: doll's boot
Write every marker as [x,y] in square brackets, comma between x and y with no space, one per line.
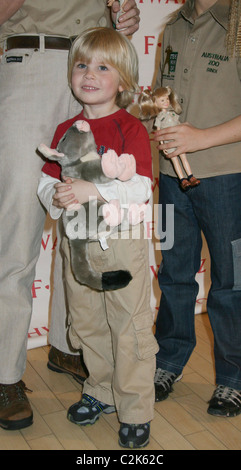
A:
[193,181]
[185,184]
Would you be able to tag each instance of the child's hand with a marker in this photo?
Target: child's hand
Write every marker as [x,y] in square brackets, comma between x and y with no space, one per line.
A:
[64,195]
[74,191]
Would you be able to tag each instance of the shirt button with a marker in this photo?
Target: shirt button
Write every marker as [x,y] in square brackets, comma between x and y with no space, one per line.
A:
[103,21]
[185,70]
[192,39]
[77,21]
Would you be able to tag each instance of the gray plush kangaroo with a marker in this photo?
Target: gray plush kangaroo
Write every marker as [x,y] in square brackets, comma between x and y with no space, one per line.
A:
[76,153]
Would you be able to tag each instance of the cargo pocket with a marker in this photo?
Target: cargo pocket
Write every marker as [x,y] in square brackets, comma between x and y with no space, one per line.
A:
[146,342]
[236,248]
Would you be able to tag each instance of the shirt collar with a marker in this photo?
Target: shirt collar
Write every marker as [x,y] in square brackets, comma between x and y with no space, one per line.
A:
[219,11]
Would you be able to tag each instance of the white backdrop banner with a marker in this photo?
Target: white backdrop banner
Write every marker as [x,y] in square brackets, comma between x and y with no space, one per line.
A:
[148,45]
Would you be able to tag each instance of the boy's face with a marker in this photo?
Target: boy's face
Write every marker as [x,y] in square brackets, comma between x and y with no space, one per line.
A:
[96,85]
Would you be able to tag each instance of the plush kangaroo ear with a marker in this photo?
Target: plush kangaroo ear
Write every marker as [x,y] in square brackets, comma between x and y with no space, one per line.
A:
[82,126]
[50,153]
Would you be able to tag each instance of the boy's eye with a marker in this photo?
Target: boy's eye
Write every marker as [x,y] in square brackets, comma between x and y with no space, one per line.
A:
[103,67]
[81,66]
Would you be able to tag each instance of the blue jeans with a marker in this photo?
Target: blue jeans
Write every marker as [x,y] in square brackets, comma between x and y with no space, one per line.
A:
[214,207]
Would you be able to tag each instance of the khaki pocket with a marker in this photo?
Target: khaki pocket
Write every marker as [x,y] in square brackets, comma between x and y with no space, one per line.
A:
[146,342]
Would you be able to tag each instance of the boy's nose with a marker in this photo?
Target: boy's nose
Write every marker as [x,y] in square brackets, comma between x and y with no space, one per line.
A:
[89,73]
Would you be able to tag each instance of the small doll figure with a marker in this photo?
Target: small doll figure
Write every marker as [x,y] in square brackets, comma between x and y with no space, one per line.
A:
[160,109]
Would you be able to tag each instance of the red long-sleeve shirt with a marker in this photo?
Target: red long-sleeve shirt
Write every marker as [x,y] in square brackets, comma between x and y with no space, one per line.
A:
[119,131]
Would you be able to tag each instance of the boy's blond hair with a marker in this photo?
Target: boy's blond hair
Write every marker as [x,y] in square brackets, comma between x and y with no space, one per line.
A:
[112,48]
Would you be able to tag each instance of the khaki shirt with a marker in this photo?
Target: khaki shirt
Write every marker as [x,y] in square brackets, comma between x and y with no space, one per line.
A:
[196,65]
[56,17]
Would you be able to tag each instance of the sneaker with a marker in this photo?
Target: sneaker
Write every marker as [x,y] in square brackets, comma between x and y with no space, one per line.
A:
[134,435]
[67,363]
[87,410]
[15,409]
[225,401]
[163,383]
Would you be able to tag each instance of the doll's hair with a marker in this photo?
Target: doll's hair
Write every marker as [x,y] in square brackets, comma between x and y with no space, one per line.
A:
[112,48]
[147,102]
[147,108]
[234,29]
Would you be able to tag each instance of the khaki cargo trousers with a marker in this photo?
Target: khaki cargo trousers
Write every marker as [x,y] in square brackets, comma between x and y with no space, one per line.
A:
[114,329]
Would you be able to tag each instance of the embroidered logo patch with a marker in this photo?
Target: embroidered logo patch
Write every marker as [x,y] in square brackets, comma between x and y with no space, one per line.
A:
[214,61]
[169,66]
[14,59]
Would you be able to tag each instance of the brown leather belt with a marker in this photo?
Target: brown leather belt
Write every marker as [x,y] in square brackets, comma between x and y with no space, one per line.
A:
[33,42]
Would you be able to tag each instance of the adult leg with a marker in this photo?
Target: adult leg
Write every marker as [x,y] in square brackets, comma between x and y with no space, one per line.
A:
[22,218]
[175,332]
[30,117]
[62,357]
[219,213]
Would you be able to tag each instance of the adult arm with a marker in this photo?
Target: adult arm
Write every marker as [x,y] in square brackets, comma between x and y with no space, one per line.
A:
[187,138]
[8,8]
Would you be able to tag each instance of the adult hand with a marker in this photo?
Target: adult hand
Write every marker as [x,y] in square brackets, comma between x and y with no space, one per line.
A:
[8,8]
[128,21]
[184,138]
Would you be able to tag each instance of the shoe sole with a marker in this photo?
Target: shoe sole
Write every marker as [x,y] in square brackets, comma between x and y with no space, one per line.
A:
[16,425]
[87,422]
[57,369]
[131,444]
[218,414]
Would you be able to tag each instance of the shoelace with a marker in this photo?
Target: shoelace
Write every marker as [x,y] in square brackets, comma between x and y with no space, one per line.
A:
[139,429]
[164,378]
[12,392]
[92,402]
[228,394]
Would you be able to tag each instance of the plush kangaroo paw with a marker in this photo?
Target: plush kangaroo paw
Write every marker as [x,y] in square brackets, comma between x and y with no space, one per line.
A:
[109,163]
[113,213]
[136,213]
[127,166]
[122,167]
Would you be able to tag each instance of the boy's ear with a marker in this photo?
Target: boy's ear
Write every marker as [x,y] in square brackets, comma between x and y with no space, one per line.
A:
[121,88]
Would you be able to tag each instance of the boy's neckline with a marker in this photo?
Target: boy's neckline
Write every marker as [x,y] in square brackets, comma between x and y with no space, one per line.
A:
[100,117]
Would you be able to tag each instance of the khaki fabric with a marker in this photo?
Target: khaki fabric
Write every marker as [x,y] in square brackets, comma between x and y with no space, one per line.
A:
[34,99]
[196,65]
[114,330]
[56,17]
